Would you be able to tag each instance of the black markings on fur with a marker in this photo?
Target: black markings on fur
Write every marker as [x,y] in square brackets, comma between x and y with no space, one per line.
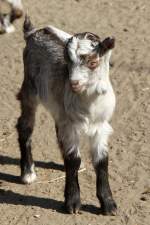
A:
[46,33]
[104,193]
[27,26]
[106,45]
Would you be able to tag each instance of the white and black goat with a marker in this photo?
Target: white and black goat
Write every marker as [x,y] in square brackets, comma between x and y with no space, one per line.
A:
[7,19]
[69,75]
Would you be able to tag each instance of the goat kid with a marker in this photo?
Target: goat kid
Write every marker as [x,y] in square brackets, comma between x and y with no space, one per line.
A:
[69,75]
[6,19]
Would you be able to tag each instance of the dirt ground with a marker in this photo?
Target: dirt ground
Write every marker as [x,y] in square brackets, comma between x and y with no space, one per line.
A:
[42,202]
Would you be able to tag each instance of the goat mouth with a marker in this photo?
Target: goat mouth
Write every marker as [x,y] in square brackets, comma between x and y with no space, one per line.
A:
[77,88]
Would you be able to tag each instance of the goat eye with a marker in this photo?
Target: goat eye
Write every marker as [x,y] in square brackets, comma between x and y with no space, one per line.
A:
[92,64]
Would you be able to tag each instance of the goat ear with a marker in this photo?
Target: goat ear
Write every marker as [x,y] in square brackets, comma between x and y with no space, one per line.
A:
[63,36]
[108,43]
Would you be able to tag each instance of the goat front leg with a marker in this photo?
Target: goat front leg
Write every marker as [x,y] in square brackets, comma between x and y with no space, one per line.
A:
[100,162]
[69,145]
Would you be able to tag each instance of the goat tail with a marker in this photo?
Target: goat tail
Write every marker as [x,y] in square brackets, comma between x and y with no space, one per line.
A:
[28,27]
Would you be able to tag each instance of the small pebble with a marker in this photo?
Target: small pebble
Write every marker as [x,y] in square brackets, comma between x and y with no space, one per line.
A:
[125,30]
[37,216]
[143,198]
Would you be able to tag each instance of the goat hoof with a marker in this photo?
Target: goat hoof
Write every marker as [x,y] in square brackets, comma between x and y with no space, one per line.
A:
[28,178]
[109,207]
[29,175]
[73,206]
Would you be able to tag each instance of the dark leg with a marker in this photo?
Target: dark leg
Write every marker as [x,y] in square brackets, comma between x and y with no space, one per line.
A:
[104,193]
[24,127]
[68,142]
[100,161]
[72,189]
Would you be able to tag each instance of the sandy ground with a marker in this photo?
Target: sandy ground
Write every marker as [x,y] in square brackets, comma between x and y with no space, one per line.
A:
[42,203]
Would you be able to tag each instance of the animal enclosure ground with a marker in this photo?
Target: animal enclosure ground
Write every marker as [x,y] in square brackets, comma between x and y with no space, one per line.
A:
[42,202]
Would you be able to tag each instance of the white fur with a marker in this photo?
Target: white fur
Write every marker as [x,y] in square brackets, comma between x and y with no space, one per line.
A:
[101,87]
[29,177]
[79,47]
[10,29]
[61,34]
[88,110]
[72,47]
[99,129]
[16,3]
[94,81]
[73,149]
[99,141]
[100,108]
[7,26]
[27,34]
[84,47]
[100,101]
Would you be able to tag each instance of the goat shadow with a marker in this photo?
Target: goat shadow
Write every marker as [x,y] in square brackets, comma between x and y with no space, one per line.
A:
[10,197]
[6,160]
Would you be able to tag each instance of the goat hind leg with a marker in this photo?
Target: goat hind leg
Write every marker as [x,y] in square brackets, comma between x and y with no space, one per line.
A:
[24,127]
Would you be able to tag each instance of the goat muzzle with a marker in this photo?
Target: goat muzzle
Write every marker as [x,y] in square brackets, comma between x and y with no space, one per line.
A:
[76,87]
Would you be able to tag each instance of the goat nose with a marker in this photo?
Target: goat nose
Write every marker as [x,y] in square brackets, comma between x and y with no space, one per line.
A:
[74,82]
